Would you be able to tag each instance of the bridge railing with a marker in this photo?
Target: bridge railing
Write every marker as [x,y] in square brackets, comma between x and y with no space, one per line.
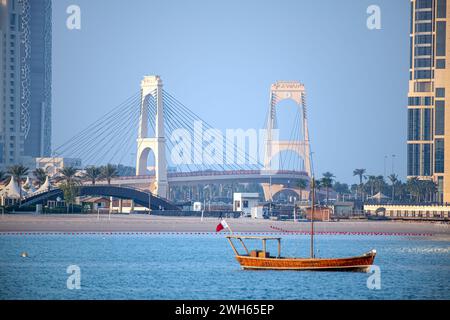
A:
[213,173]
[124,187]
[36,195]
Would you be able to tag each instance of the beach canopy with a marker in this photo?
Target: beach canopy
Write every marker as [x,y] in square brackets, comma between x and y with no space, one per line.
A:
[379,196]
[46,186]
[28,187]
[11,191]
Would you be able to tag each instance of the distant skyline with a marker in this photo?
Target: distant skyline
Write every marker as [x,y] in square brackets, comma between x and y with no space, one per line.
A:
[220,58]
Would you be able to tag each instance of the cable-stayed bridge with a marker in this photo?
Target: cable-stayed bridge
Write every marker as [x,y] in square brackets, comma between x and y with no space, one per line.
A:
[173,147]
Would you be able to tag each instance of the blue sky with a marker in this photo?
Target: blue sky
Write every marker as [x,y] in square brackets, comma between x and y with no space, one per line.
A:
[220,57]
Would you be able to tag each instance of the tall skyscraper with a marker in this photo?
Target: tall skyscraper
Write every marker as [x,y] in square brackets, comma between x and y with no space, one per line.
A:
[36,74]
[429,92]
[11,135]
[25,100]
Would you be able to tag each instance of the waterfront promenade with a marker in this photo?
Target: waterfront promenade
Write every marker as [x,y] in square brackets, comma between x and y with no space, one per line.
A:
[146,223]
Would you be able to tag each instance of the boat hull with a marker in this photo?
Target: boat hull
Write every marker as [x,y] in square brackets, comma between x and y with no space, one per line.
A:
[360,264]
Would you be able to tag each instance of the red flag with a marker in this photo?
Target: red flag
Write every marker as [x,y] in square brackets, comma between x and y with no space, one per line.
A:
[222,225]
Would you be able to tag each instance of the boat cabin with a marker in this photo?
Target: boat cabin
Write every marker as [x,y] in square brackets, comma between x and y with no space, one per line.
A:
[254,253]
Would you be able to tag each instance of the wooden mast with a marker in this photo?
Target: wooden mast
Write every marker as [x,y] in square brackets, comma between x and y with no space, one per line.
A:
[313,184]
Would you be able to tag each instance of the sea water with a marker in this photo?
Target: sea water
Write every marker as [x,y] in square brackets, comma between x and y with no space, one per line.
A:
[202,266]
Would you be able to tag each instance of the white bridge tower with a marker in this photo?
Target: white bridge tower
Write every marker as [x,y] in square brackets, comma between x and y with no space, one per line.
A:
[279,91]
[151,88]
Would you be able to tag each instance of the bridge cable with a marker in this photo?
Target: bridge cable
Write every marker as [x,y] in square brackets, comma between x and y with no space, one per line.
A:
[82,134]
[193,117]
[79,145]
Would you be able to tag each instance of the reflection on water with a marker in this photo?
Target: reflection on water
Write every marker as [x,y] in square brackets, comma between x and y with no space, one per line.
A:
[203,267]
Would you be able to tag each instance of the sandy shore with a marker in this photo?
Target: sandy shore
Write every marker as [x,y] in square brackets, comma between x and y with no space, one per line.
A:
[146,223]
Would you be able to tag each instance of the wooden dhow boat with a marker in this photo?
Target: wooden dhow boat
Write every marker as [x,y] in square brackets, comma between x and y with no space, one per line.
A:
[262,260]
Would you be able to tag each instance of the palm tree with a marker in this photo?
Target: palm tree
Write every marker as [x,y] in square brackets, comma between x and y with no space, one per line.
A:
[371,183]
[18,172]
[327,182]
[379,183]
[69,175]
[41,175]
[354,188]
[70,193]
[394,179]
[109,172]
[413,186]
[401,190]
[315,185]
[430,188]
[93,173]
[301,184]
[360,173]
[70,180]
[341,189]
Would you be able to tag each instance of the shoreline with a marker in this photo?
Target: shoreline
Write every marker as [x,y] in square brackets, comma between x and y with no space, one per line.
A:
[89,223]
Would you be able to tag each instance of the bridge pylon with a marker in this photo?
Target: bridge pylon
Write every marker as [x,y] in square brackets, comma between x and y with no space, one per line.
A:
[279,91]
[151,87]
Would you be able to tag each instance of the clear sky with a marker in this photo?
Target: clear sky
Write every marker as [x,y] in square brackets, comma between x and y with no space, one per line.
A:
[220,57]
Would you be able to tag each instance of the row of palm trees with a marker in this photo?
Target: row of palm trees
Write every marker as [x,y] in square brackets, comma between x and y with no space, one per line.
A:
[91,173]
[414,189]
[327,182]
[67,176]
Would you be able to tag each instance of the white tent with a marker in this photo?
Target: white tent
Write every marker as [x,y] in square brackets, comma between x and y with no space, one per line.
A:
[11,191]
[28,187]
[46,186]
[379,196]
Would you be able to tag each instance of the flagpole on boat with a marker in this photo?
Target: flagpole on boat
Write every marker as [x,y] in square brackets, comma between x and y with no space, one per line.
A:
[313,186]
[228,226]
[313,204]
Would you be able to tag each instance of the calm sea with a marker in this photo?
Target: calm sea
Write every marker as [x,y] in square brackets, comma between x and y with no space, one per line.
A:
[203,267]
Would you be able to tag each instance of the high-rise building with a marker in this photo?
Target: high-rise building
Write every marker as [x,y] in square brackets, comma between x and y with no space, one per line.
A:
[11,135]
[36,76]
[429,94]
[25,75]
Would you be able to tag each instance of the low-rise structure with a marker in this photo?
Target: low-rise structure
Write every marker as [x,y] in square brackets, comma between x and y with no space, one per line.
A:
[343,209]
[52,165]
[320,213]
[411,211]
[244,202]
[258,212]
[96,203]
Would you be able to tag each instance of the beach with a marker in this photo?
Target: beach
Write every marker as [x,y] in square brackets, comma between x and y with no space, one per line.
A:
[153,223]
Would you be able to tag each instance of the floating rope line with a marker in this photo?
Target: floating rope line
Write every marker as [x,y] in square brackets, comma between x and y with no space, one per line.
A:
[279,231]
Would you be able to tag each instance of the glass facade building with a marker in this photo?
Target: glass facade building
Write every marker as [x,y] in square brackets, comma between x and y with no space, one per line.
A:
[11,135]
[429,82]
[36,77]
[25,78]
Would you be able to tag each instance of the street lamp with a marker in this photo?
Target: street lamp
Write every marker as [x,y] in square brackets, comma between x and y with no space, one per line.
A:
[204,196]
[393,158]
